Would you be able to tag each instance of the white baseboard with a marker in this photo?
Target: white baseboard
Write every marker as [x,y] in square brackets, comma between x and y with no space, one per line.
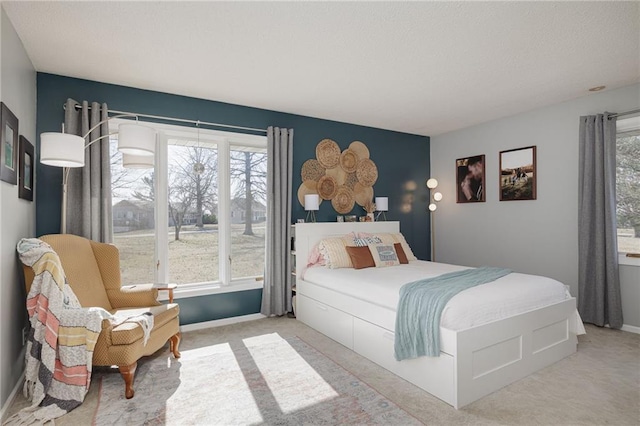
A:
[630,328]
[12,397]
[220,322]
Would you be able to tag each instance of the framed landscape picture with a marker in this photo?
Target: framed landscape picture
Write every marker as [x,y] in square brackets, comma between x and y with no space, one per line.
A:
[470,179]
[9,148]
[25,184]
[518,174]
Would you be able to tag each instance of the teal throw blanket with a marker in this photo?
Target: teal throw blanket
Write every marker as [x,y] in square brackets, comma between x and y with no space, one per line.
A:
[421,305]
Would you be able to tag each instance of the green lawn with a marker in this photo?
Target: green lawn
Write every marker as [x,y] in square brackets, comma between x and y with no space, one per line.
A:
[193,258]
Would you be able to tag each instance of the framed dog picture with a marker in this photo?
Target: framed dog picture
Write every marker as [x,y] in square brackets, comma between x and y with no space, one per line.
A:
[518,174]
[470,179]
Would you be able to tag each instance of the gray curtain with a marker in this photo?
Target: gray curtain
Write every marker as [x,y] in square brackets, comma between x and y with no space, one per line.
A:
[276,295]
[89,190]
[599,299]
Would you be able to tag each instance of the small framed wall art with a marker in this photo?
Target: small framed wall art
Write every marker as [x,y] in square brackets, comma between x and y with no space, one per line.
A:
[9,149]
[518,174]
[25,184]
[470,179]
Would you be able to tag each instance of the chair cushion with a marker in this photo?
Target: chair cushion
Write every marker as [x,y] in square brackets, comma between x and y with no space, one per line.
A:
[129,332]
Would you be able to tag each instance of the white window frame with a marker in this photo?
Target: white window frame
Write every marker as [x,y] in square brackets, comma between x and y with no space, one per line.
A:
[627,125]
[225,141]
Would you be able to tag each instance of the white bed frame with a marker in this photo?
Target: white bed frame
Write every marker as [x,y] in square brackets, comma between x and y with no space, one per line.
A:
[472,363]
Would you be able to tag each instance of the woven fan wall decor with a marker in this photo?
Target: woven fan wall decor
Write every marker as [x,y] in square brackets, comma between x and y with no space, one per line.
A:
[342,177]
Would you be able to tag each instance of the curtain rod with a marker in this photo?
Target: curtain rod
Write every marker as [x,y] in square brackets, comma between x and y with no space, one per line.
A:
[620,114]
[179,120]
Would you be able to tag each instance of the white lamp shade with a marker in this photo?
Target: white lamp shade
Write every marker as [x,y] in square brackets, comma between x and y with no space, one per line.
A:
[382,204]
[311,202]
[135,139]
[432,207]
[437,196]
[432,183]
[137,161]
[61,150]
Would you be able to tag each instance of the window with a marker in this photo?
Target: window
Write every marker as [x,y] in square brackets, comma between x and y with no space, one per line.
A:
[133,219]
[192,202]
[628,184]
[248,172]
[199,216]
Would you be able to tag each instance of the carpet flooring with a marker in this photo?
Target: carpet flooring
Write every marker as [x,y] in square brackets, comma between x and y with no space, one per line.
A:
[260,380]
[598,385]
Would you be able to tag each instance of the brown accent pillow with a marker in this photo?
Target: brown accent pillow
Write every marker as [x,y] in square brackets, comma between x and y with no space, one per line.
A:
[402,257]
[360,257]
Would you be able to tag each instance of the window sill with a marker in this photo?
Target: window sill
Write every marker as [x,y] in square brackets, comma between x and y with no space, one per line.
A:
[191,290]
[630,261]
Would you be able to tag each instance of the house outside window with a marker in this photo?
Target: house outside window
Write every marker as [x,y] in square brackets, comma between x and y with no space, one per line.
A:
[184,220]
[628,185]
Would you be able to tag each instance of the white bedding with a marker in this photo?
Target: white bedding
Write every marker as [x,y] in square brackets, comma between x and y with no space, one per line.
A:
[510,295]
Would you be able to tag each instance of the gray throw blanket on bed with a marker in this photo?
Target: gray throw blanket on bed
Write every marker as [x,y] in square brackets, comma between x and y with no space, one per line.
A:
[421,305]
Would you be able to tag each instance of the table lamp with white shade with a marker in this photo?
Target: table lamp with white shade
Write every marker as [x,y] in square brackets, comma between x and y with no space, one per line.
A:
[382,206]
[311,205]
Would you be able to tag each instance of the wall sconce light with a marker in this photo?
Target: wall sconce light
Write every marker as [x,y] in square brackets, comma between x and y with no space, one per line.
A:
[311,205]
[434,198]
[66,150]
[432,183]
[382,206]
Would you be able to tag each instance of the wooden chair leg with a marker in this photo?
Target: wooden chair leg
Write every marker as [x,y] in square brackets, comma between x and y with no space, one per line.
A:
[128,372]
[174,342]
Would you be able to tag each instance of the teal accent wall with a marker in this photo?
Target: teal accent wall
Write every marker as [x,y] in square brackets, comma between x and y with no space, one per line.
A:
[219,306]
[402,160]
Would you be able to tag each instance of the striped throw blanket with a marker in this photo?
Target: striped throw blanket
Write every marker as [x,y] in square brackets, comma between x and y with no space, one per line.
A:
[61,341]
[421,304]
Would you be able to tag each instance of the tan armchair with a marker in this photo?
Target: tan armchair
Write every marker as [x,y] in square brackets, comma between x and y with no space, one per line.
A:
[93,272]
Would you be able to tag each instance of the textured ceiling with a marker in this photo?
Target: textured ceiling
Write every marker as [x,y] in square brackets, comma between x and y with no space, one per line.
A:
[419,67]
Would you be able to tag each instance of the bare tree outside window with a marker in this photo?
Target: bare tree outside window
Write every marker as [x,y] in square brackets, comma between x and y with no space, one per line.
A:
[192,185]
[248,172]
[192,192]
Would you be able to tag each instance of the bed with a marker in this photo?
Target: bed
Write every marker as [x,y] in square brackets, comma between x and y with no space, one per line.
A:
[479,354]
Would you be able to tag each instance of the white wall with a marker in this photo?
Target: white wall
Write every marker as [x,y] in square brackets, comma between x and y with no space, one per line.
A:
[17,216]
[538,236]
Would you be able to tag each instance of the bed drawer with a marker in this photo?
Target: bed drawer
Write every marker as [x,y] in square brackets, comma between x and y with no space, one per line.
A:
[327,320]
[434,374]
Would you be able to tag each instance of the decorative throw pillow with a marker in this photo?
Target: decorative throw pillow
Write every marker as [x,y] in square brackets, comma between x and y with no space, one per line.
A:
[384,255]
[388,238]
[399,238]
[365,241]
[348,238]
[334,252]
[402,257]
[361,257]
[315,258]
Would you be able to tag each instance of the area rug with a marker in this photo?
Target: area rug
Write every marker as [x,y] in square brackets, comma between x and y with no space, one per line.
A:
[259,380]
